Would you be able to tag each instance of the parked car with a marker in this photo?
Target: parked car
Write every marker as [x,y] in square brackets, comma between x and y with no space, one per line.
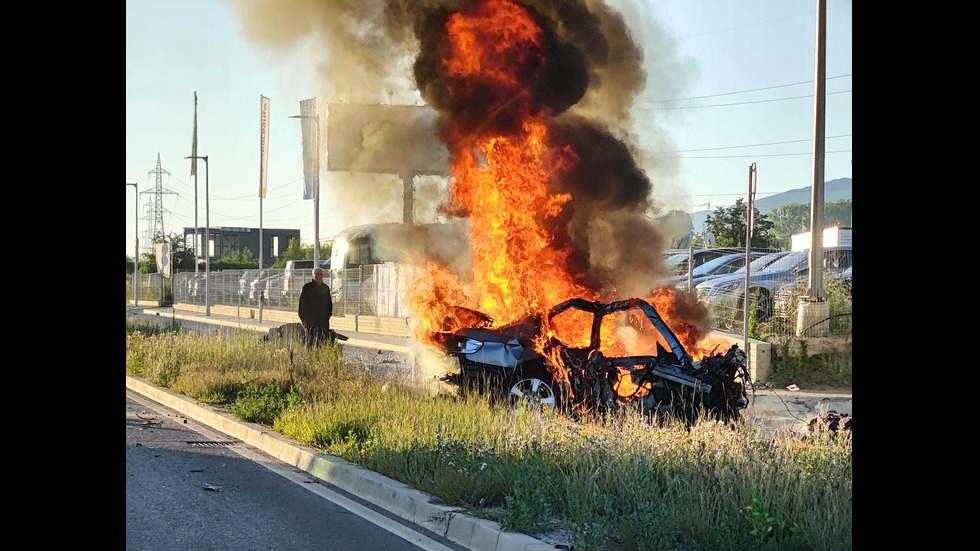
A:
[264,285]
[759,263]
[785,302]
[678,262]
[293,275]
[193,284]
[720,266]
[216,287]
[729,291]
[666,380]
[244,282]
[253,276]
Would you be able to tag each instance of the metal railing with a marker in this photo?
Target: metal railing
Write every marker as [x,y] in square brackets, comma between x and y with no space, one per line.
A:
[380,290]
[375,290]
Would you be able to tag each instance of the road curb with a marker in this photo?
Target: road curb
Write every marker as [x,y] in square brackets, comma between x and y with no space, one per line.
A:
[393,496]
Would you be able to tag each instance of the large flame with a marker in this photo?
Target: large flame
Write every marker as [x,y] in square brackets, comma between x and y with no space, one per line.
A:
[503,163]
[501,178]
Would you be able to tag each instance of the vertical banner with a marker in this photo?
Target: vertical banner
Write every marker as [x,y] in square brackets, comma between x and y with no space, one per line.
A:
[163,259]
[264,145]
[311,145]
[194,141]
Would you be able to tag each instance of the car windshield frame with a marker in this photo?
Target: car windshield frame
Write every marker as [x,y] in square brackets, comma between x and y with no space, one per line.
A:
[715,263]
[786,263]
[680,258]
[761,262]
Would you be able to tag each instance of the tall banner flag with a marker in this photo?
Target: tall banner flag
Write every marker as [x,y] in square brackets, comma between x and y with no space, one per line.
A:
[311,141]
[164,260]
[264,146]
[194,140]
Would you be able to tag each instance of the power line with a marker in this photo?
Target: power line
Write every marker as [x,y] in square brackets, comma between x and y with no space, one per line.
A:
[756,24]
[758,144]
[748,91]
[752,156]
[741,102]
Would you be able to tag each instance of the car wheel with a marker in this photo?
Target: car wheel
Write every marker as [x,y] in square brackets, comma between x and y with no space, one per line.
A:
[532,387]
[763,305]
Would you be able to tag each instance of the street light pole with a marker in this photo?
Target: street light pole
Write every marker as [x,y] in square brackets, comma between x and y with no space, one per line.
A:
[207,235]
[316,190]
[197,259]
[136,259]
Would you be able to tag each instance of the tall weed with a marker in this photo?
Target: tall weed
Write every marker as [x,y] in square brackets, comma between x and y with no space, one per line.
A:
[612,483]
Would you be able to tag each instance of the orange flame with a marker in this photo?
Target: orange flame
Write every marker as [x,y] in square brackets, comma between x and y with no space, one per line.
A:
[494,42]
[501,181]
[625,387]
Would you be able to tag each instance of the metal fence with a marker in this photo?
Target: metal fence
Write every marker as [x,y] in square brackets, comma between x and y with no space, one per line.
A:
[374,290]
[150,288]
[774,297]
[380,290]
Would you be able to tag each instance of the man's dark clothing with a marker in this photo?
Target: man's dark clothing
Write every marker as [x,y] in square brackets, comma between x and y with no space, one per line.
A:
[315,309]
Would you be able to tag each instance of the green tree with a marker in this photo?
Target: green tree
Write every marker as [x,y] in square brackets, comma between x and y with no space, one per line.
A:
[297,251]
[794,218]
[728,226]
[325,251]
[790,219]
[837,213]
[236,260]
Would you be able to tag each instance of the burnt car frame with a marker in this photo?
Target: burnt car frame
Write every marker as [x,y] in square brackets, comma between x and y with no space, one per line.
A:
[668,382]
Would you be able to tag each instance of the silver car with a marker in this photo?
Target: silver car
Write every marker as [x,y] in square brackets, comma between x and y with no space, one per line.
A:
[729,292]
[723,265]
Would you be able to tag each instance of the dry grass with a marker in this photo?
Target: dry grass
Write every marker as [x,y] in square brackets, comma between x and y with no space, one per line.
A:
[614,483]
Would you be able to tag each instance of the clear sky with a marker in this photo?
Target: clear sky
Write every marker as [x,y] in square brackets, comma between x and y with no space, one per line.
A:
[728,84]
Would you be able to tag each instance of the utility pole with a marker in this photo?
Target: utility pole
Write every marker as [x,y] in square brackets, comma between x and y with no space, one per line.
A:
[263,165]
[749,223]
[814,311]
[197,259]
[136,259]
[207,238]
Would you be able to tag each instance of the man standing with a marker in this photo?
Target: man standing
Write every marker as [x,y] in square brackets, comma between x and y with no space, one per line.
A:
[315,309]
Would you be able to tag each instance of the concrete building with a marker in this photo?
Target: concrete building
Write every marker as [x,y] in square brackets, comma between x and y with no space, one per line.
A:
[225,241]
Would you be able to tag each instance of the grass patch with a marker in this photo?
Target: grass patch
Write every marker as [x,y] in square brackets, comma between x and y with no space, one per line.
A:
[611,484]
[263,403]
[153,327]
[793,363]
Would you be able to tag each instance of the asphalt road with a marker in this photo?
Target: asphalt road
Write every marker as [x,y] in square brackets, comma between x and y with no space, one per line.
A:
[189,487]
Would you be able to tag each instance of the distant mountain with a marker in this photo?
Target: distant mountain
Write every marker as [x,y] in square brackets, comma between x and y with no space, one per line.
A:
[834,190]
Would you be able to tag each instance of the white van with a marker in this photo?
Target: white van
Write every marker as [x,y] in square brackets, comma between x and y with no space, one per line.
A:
[298,272]
[367,273]
[351,249]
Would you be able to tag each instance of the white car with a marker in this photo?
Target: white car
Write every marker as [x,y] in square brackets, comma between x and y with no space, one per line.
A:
[264,285]
[244,282]
[297,273]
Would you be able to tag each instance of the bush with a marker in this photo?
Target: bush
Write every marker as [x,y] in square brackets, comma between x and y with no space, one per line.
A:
[264,403]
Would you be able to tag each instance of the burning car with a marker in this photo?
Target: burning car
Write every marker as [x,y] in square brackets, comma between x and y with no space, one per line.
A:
[555,207]
[642,363]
